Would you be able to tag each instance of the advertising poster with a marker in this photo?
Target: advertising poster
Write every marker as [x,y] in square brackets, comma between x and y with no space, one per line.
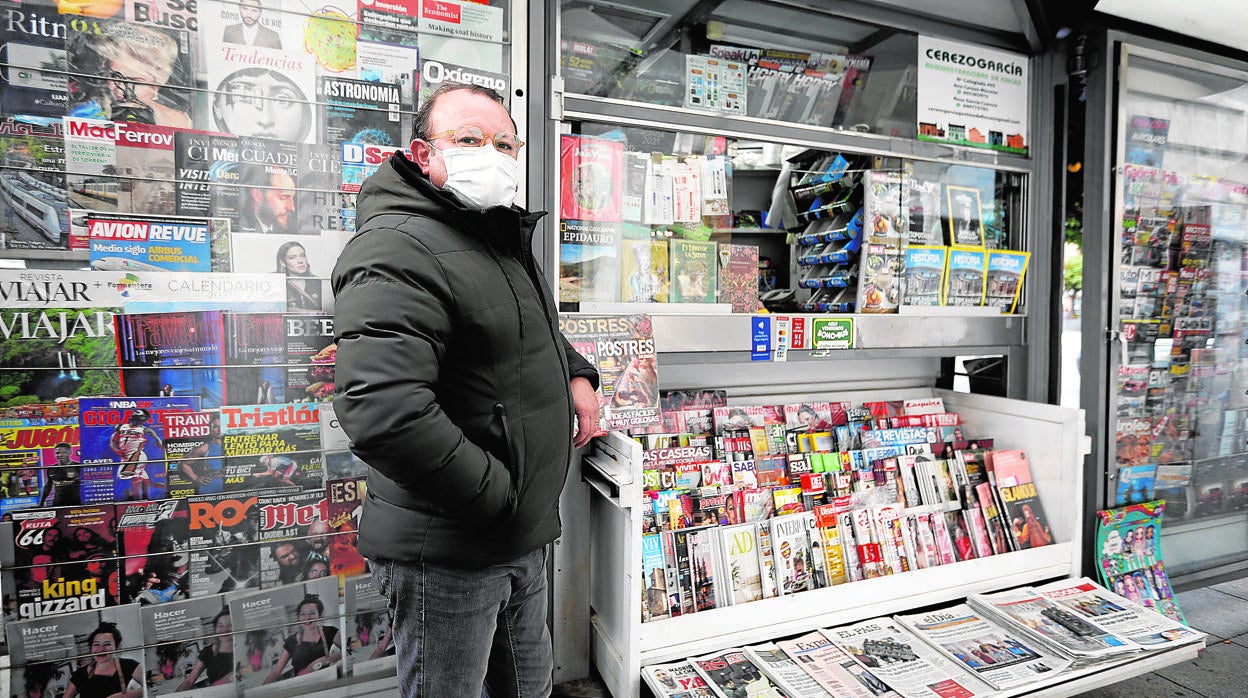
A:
[715,84]
[972,95]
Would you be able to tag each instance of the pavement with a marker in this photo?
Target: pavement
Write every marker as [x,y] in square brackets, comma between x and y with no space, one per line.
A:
[1221,611]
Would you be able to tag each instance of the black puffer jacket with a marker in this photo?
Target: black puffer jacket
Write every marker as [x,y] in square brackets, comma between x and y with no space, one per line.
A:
[452,376]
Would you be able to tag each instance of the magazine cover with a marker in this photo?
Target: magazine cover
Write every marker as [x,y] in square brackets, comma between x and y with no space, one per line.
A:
[966,218]
[1118,614]
[854,82]
[90,163]
[791,549]
[1004,280]
[317,188]
[881,274]
[740,555]
[434,73]
[988,650]
[1023,510]
[1043,619]
[290,636]
[58,561]
[145,153]
[224,555]
[266,201]
[147,68]
[310,357]
[964,277]
[339,462]
[133,243]
[178,352]
[33,184]
[730,673]
[255,357]
[1128,541]
[1135,484]
[38,465]
[674,680]
[904,662]
[370,638]
[924,275]
[1146,140]
[346,502]
[193,451]
[190,648]
[92,652]
[693,271]
[295,527]
[360,111]
[128,434]
[592,171]
[152,543]
[644,269]
[271,446]
[738,277]
[832,669]
[56,352]
[653,579]
[261,80]
[622,349]
[35,84]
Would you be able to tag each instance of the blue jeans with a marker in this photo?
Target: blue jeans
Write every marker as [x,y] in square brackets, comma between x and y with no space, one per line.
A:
[469,633]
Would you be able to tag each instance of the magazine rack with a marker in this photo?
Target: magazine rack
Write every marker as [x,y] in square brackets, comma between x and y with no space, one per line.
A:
[622,644]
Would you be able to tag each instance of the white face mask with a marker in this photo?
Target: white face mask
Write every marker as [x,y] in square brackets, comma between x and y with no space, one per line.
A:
[481,177]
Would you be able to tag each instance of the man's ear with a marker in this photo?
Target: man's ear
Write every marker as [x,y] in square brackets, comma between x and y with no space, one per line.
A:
[422,152]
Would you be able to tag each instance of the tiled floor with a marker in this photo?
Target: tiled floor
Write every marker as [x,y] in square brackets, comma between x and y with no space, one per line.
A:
[1219,672]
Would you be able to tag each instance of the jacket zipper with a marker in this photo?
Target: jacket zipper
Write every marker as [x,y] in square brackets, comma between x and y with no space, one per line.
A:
[517,469]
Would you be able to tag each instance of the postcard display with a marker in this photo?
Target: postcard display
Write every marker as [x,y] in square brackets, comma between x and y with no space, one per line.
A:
[171,471]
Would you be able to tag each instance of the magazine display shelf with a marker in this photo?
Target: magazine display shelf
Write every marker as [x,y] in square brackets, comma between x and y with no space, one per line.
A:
[621,644]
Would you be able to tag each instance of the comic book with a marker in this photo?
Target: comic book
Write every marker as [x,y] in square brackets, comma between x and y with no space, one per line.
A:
[48,655]
[267,627]
[162,97]
[190,649]
[152,543]
[123,447]
[1004,281]
[193,452]
[622,349]
[924,275]
[224,555]
[295,527]
[178,353]
[738,277]
[693,271]
[33,181]
[38,465]
[346,502]
[360,111]
[310,356]
[271,446]
[58,352]
[370,638]
[58,561]
[964,277]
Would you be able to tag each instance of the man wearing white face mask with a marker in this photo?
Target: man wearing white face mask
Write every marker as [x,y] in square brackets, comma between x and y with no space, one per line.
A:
[460,393]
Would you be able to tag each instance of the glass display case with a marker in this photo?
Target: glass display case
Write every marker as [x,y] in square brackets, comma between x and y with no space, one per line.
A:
[1179,394]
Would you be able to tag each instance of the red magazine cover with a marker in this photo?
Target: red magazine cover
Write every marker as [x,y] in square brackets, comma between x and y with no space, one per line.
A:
[593,179]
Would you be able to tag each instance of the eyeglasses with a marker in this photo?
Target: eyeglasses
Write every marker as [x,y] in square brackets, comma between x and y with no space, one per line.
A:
[473,137]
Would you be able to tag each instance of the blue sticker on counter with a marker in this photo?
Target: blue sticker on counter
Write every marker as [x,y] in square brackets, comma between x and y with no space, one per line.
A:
[760,340]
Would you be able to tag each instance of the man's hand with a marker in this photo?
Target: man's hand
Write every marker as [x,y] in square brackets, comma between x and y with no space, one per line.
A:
[585,402]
